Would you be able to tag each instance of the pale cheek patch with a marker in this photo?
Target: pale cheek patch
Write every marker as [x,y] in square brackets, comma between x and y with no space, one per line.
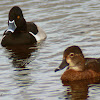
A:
[70,62]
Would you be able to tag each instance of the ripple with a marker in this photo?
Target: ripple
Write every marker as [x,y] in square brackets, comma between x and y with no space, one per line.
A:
[66,23]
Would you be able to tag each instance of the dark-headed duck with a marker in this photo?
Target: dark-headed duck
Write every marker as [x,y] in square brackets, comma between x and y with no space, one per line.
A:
[79,68]
[19,31]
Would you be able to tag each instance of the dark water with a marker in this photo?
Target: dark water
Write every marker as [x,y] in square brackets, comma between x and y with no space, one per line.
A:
[66,23]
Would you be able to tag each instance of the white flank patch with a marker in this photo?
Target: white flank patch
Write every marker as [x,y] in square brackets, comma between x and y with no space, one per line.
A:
[40,35]
[36,36]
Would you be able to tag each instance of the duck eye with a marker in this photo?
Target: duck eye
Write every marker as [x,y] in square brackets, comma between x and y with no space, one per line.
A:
[71,54]
[18,17]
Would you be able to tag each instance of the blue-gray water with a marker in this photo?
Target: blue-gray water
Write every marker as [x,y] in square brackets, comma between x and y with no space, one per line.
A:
[66,23]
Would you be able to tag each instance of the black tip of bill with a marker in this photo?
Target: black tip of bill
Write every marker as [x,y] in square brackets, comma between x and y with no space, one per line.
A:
[57,69]
[62,65]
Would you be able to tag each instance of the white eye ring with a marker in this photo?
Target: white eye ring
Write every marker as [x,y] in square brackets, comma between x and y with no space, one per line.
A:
[71,54]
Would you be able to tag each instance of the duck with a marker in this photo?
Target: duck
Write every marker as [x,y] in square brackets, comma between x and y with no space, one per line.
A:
[19,31]
[78,67]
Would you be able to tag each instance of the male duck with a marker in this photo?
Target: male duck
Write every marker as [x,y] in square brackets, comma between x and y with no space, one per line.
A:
[79,68]
[19,31]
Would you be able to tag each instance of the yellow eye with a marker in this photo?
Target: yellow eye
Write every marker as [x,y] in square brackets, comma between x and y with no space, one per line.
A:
[71,54]
[18,17]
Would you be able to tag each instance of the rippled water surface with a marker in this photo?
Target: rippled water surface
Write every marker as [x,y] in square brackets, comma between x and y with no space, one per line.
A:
[66,23]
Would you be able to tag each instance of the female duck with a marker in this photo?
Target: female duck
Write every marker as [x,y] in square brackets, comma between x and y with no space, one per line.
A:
[21,32]
[79,68]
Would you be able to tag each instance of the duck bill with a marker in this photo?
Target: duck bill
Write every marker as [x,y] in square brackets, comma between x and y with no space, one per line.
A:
[11,26]
[62,65]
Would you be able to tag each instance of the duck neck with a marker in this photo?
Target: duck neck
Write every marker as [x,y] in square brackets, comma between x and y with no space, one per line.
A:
[80,66]
[22,27]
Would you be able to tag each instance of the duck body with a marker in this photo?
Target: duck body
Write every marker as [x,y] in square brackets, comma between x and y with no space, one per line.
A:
[92,70]
[79,68]
[19,31]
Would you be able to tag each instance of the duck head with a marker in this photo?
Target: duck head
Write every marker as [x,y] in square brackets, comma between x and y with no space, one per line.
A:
[73,58]
[16,20]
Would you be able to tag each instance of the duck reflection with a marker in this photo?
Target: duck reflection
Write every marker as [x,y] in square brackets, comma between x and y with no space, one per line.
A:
[79,89]
[20,55]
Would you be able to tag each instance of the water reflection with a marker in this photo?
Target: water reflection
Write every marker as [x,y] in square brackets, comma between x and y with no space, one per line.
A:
[79,89]
[23,80]
[20,55]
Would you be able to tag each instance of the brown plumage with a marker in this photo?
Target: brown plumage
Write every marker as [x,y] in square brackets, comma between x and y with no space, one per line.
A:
[79,68]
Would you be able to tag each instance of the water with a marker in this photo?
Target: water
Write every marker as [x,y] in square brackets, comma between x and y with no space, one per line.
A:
[66,23]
